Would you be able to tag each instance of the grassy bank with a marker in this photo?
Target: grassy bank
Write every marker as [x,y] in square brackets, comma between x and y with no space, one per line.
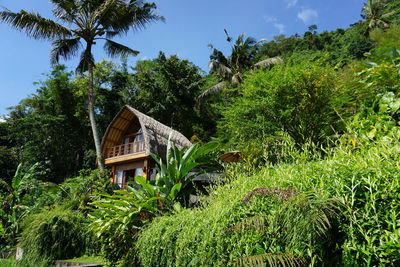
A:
[339,210]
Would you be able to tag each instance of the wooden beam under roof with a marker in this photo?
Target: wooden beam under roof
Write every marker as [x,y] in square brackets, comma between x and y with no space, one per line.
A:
[125,119]
[112,140]
[117,129]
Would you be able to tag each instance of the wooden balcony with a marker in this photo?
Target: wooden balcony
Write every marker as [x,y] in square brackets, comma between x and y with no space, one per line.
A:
[125,149]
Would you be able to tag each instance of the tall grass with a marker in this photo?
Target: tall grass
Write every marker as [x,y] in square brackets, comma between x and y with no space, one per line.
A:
[53,235]
[344,210]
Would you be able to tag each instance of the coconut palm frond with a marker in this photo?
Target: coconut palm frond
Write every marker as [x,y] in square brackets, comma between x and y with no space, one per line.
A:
[85,62]
[372,24]
[239,41]
[213,65]
[34,25]
[106,8]
[135,17]
[64,9]
[66,48]
[114,49]
[111,34]
[390,14]
[249,41]
[212,90]
[224,71]
[382,24]
[237,79]
[263,40]
[228,38]
[373,12]
[266,63]
[272,259]
[218,56]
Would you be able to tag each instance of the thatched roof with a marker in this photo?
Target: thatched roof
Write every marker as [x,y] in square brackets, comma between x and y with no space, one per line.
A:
[155,133]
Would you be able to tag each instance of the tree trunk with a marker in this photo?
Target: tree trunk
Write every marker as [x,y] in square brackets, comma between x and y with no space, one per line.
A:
[91,102]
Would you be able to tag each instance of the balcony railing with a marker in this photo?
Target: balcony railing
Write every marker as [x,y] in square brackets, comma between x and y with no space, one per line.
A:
[125,149]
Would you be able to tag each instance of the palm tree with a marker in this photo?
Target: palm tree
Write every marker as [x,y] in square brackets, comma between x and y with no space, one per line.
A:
[230,69]
[85,21]
[374,13]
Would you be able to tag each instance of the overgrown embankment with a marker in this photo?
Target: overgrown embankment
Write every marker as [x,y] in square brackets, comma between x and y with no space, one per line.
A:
[339,210]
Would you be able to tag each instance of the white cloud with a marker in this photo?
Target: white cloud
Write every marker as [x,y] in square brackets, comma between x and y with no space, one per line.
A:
[269,19]
[274,21]
[281,27]
[291,3]
[307,15]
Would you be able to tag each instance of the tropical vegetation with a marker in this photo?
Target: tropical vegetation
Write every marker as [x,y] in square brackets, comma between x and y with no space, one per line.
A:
[315,119]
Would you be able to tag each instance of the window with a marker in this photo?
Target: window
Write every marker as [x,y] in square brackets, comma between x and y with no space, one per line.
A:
[139,172]
[153,173]
[119,178]
[126,140]
[139,137]
[129,176]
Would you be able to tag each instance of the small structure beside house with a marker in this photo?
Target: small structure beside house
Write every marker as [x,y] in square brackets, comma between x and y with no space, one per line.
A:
[130,139]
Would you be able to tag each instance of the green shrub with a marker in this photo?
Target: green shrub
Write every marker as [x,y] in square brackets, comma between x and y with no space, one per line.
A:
[363,184]
[53,235]
[387,38]
[293,100]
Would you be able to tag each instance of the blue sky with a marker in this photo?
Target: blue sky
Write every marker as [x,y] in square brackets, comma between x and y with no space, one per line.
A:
[190,26]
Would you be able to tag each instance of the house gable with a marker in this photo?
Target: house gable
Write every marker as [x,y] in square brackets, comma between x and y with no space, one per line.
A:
[129,120]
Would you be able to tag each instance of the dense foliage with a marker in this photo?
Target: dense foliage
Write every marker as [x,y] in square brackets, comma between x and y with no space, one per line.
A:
[166,89]
[315,118]
[235,225]
[39,123]
[292,99]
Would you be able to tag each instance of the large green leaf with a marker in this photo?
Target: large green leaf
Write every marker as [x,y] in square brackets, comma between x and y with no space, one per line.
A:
[175,191]
[17,178]
[146,186]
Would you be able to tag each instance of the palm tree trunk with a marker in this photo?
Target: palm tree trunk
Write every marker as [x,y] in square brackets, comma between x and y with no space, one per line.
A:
[91,102]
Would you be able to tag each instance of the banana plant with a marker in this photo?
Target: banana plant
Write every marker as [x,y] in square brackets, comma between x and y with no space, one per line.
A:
[116,219]
[175,174]
[125,210]
[12,206]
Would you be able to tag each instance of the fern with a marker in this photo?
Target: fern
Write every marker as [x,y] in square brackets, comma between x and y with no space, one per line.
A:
[300,221]
[272,259]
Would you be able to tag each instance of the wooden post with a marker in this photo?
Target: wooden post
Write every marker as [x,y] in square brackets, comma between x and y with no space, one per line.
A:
[112,179]
[146,169]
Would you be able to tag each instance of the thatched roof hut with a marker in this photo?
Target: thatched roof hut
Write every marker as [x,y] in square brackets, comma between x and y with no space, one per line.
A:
[155,133]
